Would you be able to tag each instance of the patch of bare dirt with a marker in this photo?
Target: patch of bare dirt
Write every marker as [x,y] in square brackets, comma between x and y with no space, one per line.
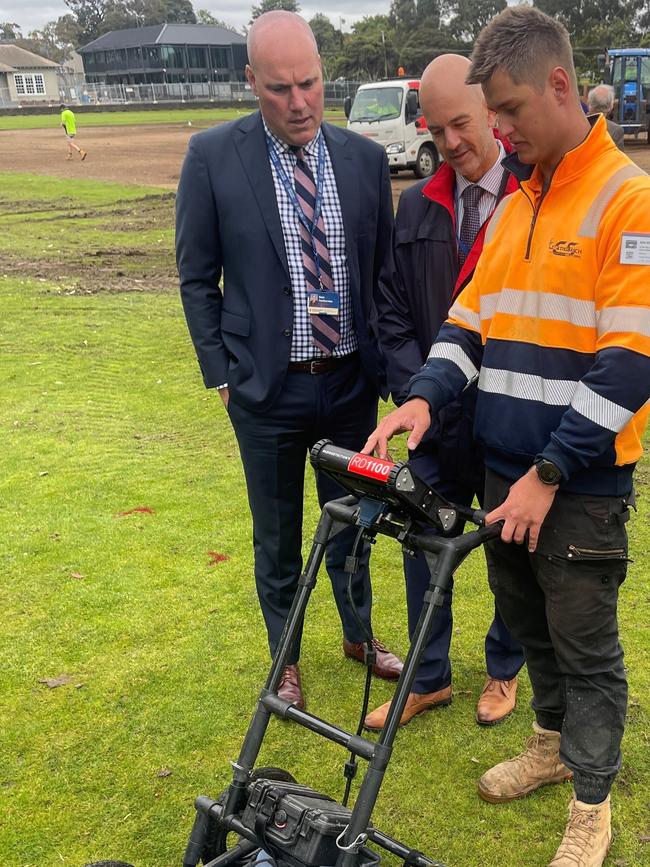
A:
[140,212]
[148,155]
[145,155]
[104,268]
[101,272]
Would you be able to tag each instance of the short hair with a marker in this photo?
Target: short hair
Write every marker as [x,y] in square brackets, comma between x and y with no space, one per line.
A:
[601,98]
[523,42]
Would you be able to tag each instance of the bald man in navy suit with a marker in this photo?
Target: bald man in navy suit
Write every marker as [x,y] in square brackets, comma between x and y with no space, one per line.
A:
[296,216]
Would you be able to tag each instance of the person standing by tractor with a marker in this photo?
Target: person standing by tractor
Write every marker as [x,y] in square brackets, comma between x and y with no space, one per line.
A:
[601,101]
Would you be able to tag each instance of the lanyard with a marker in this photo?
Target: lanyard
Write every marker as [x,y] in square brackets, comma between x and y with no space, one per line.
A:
[293,198]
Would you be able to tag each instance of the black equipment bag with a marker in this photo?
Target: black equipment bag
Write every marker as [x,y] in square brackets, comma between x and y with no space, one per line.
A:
[301,823]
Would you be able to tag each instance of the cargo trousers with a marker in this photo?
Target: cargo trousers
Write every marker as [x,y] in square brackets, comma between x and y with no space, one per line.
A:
[560,603]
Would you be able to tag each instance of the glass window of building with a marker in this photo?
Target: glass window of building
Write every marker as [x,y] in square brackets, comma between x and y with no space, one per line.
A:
[196,57]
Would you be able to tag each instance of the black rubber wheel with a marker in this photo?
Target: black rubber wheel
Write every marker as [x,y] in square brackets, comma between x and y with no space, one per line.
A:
[427,161]
[272,774]
[108,864]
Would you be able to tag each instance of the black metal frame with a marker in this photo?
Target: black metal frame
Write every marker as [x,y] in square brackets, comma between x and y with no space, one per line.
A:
[443,556]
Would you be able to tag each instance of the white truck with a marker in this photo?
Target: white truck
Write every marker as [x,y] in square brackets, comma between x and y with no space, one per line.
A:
[389,112]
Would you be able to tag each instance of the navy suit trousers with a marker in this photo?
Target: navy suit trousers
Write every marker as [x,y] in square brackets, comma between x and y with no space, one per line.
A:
[503,654]
[342,406]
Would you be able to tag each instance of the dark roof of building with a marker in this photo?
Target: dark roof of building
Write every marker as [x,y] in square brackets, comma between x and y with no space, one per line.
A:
[14,56]
[164,34]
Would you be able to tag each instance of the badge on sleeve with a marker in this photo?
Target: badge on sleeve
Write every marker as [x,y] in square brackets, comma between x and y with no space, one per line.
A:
[323,302]
[635,248]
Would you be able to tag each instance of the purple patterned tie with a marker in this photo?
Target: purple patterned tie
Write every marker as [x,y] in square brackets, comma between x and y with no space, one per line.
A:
[471,224]
[325,328]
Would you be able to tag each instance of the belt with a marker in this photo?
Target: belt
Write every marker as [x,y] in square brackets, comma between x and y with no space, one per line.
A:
[320,365]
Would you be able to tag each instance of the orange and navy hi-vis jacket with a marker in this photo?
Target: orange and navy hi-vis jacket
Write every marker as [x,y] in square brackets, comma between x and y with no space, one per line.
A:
[557,321]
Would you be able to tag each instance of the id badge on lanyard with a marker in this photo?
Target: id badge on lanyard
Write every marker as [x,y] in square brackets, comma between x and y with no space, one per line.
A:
[321,301]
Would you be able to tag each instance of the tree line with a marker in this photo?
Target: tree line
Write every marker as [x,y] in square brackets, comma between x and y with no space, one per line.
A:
[411,34]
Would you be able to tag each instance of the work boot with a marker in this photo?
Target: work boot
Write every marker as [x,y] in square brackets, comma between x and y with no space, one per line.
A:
[587,837]
[69,156]
[538,766]
[83,154]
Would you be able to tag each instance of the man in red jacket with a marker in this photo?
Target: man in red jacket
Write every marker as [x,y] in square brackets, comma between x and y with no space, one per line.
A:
[439,233]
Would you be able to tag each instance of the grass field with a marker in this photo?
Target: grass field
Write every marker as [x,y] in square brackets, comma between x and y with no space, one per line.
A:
[120,484]
[198,116]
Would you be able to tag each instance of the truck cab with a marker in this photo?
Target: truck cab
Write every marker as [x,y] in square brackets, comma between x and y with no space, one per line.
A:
[389,113]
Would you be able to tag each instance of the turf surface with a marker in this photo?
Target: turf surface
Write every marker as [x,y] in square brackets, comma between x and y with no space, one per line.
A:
[126,582]
[198,116]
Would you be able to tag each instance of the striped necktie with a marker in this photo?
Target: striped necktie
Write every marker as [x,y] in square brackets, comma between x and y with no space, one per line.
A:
[325,327]
[471,224]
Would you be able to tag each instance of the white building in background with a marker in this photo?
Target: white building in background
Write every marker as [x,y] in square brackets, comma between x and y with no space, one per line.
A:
[26,78]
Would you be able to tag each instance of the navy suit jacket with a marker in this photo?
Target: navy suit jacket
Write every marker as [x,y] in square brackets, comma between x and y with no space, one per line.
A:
[228,223]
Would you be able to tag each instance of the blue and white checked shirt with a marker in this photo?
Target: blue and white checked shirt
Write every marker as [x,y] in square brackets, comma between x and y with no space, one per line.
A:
[302,347]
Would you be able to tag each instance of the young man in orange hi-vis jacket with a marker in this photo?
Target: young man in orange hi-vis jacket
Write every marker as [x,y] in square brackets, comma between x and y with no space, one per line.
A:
[556,323]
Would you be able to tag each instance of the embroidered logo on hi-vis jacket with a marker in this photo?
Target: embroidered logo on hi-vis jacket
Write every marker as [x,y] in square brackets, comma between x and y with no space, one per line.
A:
[565,248]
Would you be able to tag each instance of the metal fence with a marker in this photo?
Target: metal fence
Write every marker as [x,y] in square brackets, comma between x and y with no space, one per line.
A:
[75,90]
[90,93]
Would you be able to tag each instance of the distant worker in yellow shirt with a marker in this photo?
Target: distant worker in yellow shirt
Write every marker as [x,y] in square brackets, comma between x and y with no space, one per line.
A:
[70,128]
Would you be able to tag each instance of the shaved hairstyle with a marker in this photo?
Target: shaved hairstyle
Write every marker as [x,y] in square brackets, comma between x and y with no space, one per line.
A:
[278,18]
[526,44]
[448,64]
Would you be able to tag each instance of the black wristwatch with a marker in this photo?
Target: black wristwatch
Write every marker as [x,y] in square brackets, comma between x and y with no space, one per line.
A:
[548,472]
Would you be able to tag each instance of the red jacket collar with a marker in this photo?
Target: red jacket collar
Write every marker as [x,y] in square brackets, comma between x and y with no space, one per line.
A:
[440,188]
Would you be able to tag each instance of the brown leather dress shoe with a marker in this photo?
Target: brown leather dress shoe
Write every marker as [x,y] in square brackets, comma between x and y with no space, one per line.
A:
[387,665]
[290,688]
[497,701]
[416,703]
